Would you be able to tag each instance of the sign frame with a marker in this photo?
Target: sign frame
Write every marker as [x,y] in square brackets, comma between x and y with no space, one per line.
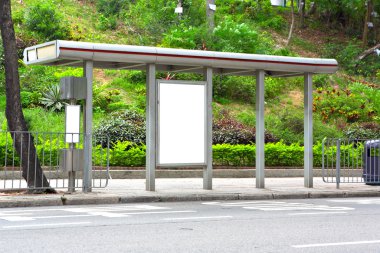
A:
[158,126]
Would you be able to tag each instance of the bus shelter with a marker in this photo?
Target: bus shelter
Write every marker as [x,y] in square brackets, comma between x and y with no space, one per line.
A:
[208,63]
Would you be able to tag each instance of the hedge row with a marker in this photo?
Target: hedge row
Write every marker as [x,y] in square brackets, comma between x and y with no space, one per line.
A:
[276,154]
[129,154]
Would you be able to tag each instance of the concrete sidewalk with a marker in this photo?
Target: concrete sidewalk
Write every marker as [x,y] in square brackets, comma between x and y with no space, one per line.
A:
[190,189]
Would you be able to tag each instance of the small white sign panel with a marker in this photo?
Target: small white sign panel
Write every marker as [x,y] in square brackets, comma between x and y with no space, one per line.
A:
[278,2]
[72,123]
[178,10]
[181,113]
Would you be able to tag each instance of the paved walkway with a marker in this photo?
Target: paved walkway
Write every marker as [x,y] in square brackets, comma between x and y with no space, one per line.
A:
[190,189]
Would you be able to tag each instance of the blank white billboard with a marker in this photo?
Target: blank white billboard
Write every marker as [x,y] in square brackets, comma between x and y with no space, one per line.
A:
[181,123]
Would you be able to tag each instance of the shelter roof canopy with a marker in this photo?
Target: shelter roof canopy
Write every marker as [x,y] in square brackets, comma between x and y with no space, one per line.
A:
[113,56]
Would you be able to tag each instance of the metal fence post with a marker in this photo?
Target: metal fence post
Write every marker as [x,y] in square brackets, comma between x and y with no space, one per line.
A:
[337,163]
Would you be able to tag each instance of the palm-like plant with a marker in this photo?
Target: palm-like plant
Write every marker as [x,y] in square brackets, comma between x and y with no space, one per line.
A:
[51,99]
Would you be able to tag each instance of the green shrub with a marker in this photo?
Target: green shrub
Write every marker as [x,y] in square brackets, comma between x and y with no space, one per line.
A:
[280,154]
[122,126]
[228,130]
[286,125]
[111,7]
[106,23]
[187,37]
[347,56]
[234,155]
[117,106]
[276,22]
[230,36]
[355,103]
[104,99]
[151,19]
[30,99]
[43,19]
[277,86]
[366,130]
[127,154]
[235,88]
[37,78]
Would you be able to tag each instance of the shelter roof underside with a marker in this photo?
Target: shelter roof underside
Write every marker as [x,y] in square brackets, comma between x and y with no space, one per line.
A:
[112,56]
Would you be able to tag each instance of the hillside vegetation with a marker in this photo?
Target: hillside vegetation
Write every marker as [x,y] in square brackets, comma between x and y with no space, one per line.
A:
[345,104]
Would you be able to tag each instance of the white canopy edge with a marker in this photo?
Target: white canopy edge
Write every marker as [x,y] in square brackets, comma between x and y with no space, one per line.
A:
[113,56]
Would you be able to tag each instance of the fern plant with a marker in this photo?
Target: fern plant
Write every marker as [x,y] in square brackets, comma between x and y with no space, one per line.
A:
[51,99]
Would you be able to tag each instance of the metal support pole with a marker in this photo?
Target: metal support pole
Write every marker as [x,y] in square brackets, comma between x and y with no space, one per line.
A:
[207,170]
[337,163]
[151,127]
[260,130]
[87,128]
[308,131]
[71,176]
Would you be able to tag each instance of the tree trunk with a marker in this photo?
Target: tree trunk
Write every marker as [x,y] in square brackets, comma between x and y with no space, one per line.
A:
[210,16]
[312,9]
[302,13]
[366,21]
[23,140]
[292,25]
[368,52]
[180,4]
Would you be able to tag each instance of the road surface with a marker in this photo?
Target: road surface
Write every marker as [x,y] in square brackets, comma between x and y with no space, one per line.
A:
[312,225]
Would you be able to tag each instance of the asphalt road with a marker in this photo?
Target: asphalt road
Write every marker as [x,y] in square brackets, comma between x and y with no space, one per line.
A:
[312,225]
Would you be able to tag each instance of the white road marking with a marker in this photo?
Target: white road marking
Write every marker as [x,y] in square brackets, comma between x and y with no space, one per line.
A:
[296,208]
[96,208]
[371,201]
[163,212]
[108,214]
[63,216]
[105,211]
[198,218]
[237,204]
[334,244]
[31,210]
[9,214]
[317,213]
[16,218]
[131,208]
[104,214]
[47,225]
[279,206]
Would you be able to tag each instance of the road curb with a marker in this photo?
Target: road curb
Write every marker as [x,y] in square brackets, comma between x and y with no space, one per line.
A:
[30,202]
[68,200]
[96,199]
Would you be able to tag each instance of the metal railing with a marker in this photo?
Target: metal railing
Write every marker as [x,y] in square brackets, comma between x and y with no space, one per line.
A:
[25,154]
[351,161]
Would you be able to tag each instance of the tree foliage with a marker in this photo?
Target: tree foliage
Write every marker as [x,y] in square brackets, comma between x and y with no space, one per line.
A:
[43,19]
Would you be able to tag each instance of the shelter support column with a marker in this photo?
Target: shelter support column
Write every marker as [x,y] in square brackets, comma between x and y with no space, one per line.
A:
[308,131]
[260,130]
[88,67]
[151,127]
[207,170]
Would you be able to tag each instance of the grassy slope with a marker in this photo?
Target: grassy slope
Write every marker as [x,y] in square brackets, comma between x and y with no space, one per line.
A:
[80,15]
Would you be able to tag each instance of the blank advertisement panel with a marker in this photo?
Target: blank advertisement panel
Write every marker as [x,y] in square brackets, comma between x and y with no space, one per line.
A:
[181,123]
[72,123]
